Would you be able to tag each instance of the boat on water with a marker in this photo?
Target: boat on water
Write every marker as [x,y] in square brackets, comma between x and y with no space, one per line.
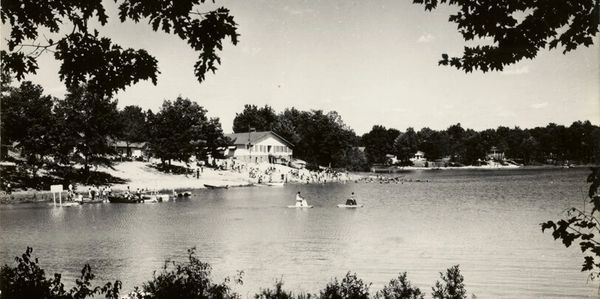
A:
[350,206]
[300,207]
[275,184]
[123,199]
[91,201]
[216,187]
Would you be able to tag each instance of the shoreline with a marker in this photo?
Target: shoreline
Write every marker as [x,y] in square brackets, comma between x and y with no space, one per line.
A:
[140,175]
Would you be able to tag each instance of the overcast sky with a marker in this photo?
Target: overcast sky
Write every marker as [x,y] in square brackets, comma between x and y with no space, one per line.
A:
[374,62]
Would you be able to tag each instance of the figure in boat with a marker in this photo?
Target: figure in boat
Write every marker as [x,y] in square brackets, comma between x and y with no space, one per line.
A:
[351,201]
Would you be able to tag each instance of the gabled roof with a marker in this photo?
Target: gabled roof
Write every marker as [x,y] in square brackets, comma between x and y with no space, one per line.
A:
[255,137]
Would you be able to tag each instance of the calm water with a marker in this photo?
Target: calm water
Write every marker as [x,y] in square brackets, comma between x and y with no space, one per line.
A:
[486,221]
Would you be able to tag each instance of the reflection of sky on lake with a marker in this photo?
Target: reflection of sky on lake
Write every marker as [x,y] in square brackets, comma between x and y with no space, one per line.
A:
[486,221]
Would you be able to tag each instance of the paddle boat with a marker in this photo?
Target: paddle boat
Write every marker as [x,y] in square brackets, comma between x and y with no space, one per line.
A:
[350,206]
[300,207]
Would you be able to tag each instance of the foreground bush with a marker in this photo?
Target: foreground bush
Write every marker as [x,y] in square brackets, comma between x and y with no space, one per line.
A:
[399,288]
[185,280]
[351,287]
[192,279]
[452,286]
[28,280]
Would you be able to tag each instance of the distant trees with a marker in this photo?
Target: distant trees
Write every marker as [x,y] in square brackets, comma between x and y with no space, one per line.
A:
[253,117]
[181,129]
[378,143]
[134,124]
[517,29]
[89,122]
[27,120]
[406,145]
[578,143]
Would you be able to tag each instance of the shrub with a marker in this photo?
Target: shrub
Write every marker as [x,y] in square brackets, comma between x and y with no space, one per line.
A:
[452,286]
[351,287]
[277,293]
[28,280]
[399,288]
[189,280]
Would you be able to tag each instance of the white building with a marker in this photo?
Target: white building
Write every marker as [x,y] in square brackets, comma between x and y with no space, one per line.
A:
[419,159]
[256,147]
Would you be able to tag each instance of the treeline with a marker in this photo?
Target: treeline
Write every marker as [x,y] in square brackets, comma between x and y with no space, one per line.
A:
[323,139]
[556,144]
[82,128]
[192,279]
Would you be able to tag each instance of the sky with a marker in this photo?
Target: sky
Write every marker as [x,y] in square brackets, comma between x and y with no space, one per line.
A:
[374,62]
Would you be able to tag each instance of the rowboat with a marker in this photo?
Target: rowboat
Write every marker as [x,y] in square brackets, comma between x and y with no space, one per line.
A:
[275,184]
[216,187]
[123,199]
[300,207]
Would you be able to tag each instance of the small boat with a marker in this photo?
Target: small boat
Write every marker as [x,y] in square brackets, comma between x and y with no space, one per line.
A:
[216,187]
[70,204]
[300,207]
[123,199]
[350,206]
[90,201]
[276,184]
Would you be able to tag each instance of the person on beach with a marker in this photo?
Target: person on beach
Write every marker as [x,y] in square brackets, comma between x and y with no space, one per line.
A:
[351,201]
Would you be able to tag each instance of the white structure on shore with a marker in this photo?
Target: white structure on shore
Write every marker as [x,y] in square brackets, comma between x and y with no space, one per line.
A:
[256,147]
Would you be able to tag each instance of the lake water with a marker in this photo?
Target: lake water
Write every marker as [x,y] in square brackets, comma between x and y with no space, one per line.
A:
[486,221]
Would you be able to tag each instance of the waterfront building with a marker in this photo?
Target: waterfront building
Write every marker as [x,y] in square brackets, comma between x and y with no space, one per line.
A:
[257,147]
[135,150]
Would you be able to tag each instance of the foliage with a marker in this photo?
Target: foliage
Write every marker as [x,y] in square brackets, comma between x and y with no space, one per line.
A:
[400,288]
[277,293]
[582,225]
[87,121]
[351,287]
[517,29]
[88,58]
[28,280]
[134,125]
[451,287]
[189,280]
[378,143]
[252,117]
[181,129]
[27,120]
[406,145]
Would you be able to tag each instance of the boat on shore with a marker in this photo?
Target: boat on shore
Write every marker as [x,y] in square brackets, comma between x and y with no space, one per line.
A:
[123,199]
[216,187]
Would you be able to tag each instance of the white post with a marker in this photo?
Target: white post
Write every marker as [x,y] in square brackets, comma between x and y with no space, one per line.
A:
[54,198]
[60,198]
